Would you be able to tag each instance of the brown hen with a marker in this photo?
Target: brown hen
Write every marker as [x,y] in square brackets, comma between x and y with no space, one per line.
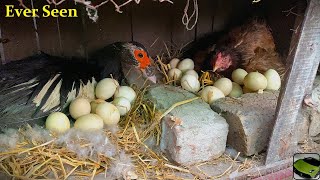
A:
[254,44]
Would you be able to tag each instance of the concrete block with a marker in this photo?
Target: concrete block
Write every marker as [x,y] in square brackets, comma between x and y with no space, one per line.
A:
[202,134]
[250,120]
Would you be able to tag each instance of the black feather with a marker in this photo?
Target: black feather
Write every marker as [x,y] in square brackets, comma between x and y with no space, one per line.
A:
[16,96]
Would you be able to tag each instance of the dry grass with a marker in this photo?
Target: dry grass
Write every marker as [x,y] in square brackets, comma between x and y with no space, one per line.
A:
[206,78]
[35,160]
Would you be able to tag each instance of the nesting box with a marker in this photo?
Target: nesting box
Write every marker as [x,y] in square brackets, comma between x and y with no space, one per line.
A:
[71,29]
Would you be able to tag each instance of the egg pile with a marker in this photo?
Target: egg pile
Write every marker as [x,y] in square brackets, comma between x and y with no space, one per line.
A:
[241,82]
[97,113]
[183,72]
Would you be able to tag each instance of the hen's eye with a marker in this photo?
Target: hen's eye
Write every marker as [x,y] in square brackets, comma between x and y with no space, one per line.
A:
[140,55]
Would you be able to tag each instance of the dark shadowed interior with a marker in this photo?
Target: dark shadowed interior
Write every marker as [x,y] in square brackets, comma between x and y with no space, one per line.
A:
[150,23]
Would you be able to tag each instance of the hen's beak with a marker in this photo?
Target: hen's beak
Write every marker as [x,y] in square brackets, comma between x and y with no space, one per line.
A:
[215,68]
[149,73]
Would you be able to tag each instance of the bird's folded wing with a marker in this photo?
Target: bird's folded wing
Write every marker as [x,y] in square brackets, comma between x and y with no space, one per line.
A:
[32,88]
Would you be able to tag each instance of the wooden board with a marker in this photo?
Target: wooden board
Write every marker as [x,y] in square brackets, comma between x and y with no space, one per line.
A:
[261,171]
[110,27]
[2,56]
[222,15]
[71,30]
[49,38]
[151,25]
[180,35]
[207,10]
[229,13]
[281,23]
[19,32]
[305,61]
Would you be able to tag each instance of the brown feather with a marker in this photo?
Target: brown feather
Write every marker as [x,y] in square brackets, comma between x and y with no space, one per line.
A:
[264,60]
[250,36]
[255,44]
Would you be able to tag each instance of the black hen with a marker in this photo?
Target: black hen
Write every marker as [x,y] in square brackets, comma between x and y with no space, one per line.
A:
[32,88]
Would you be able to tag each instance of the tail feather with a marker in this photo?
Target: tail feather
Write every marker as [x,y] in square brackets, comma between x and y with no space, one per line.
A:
[46,91]
[37,89]
[32,88]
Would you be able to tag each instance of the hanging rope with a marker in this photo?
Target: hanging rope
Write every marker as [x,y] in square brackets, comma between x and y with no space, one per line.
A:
[92,9]
[186,19]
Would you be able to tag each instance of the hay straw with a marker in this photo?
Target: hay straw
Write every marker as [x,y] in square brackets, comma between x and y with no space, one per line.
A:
[164,70]
[206,79]
[229,168]
[30,149]
[178,104]
[177,168]
[47,160]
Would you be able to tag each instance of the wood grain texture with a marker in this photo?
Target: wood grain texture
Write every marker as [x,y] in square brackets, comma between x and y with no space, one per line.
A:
[71,29]
[151,25]
[2,56]
[306,59]
[232,13]
[282,23]
[19,32]
[262,170]
[48,32]
[180,35]
[296,29]
[207,10]
[222,15]
[110,27]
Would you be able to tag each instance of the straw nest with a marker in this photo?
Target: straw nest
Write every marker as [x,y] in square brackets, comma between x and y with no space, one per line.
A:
[35,153]
[128,151]
[206,78]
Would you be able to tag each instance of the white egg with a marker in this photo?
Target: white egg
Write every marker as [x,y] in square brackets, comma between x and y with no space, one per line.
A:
[255,81]
[109,113]
[192,72]
[224,84]
[210,93]
[186,64]
[175,74]
[238,75]
[57,122]
[273,78]
[174,63]
[123,105]
[190,83]
[89,122]
[127,92]
[79,107]
[236,90]
[95,103]
[106,88]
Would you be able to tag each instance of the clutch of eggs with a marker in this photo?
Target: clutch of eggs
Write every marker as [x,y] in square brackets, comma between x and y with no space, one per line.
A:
[97,113]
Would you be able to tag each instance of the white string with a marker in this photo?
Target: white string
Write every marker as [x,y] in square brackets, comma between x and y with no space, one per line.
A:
[186,19]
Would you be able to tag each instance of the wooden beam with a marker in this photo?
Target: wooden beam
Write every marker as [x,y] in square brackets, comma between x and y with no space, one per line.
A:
[260,171]
[2,56]
[19,33]
[299,77]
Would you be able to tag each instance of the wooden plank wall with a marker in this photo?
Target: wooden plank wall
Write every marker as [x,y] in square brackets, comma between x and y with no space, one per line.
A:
[18,32]
[304,62]
[151,23]
[281,18]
